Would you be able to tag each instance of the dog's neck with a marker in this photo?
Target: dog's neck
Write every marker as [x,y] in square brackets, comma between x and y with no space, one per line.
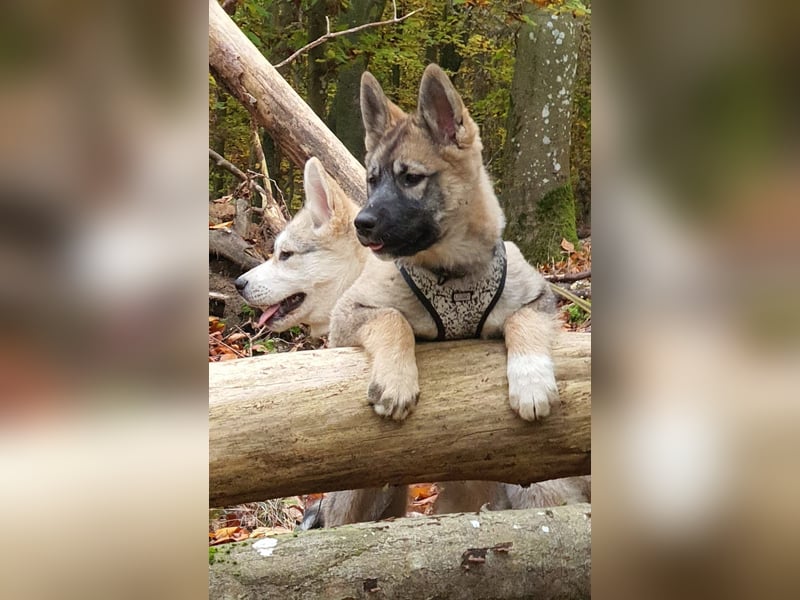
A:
[459,254]
[468,245]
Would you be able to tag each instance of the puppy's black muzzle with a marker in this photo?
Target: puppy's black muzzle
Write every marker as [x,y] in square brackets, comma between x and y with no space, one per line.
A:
[366,223]
[392,224]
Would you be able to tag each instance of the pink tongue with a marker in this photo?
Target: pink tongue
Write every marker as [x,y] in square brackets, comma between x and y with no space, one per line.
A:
[376,247]
[268,312]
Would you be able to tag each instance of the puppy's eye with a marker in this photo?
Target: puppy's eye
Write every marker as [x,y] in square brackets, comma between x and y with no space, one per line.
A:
[284,255]
[372,179]
[412,179]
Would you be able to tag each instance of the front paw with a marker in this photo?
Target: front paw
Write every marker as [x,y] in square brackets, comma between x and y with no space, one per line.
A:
[531,385]
[394,394]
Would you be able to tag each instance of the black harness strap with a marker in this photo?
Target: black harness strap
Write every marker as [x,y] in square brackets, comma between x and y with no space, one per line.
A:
[494,301]
[425,302]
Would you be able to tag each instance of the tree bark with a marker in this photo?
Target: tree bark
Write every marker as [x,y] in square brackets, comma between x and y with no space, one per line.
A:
[543,554]
[537,195]
[299,132]
[230,245]
[295,423]
[581,134]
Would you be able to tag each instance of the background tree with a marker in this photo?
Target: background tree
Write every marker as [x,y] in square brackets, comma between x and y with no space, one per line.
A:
[538,198]
[345,116]
[474,40]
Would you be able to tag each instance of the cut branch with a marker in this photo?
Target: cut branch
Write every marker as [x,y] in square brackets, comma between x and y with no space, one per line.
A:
[238,65]
[329,36]
[232,246]
[294,423]
[502,554]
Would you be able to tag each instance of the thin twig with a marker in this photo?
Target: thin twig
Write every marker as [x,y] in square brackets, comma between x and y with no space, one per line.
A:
[236,171]
[584,304]
[287,213]
[232,349]
[329,36]
[584,293]
[569,277]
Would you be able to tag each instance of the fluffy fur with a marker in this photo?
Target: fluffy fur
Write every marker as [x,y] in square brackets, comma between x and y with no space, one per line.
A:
[431,204]
[317,256]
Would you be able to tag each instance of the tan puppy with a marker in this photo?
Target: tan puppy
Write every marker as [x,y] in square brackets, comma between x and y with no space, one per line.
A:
[434,222]
[440,271]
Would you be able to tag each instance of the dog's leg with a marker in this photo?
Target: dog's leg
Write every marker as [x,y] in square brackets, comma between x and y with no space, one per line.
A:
[389,341]
[357,506]
[555,492]
[470,496]
[531,379]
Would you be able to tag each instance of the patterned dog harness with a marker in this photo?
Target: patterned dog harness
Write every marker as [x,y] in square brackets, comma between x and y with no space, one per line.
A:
[459,306]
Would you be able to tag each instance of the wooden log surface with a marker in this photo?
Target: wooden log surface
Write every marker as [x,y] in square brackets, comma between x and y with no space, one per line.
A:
[300,133]
[533,553]
[232,246]
[294,423]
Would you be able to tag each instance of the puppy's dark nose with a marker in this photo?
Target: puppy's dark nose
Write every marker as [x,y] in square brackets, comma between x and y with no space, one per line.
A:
[365,221]
[240,283]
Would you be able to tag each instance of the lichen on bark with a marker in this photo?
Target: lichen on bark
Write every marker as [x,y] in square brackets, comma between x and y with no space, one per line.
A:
[537,195]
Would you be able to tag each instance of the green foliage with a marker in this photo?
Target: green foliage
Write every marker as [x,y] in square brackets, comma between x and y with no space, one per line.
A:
[266,346]
[473,40]
[576,315]
[247,312]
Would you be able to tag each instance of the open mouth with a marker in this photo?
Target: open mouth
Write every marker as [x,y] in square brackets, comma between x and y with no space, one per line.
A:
[280,310]
[372,245]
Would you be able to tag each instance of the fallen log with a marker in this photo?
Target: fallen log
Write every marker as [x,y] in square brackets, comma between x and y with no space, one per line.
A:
[237,64]
[232,246]
[294,423]
[505,554]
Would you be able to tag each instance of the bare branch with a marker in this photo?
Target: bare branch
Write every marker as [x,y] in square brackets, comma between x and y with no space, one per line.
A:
[582,293]
[564,293]
[232,168]
[569,277]
[329,36]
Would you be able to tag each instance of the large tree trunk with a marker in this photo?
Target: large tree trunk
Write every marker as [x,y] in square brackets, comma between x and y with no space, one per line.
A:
[299,132]
[294,423]
[537,195]
[581,148]
[543,554]
[345,115]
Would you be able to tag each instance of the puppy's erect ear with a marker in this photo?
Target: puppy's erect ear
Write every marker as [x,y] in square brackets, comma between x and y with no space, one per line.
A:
[320,200]
[378,113]
[440,106]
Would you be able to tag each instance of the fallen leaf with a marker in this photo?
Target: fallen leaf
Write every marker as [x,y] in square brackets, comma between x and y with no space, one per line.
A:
[567,245]
[419,491]
[225,225]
